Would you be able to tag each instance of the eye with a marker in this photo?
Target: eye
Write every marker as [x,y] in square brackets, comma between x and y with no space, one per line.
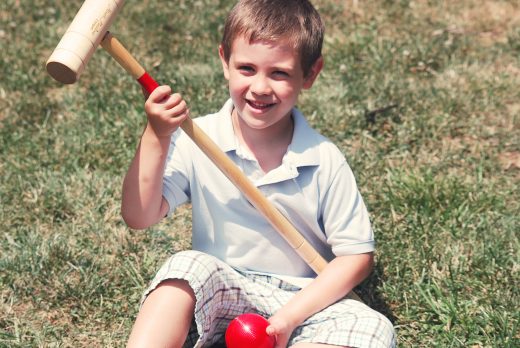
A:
[246,69]
[280,74]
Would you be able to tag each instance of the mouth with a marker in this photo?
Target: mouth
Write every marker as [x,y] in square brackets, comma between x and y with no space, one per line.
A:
[256,105]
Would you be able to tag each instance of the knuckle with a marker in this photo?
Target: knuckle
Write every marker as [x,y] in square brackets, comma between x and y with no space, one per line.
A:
[153,110]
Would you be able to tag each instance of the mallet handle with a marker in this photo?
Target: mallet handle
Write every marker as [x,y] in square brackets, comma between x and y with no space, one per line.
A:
[228,167]
[128,62]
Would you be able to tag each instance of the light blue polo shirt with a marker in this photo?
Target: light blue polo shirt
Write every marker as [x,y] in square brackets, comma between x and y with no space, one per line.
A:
[314,188]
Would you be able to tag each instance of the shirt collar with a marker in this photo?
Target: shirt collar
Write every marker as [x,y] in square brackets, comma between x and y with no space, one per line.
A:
[303,149]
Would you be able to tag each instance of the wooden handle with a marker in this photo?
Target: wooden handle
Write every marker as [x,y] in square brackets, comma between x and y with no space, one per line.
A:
[122,56]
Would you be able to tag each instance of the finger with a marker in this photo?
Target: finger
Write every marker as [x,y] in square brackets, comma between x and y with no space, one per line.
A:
[276,328]
[172,101]
[178,119]
[160,93]
[177,110]
[271,330]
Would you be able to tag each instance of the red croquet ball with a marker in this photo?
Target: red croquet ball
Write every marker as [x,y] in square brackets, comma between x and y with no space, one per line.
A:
[248,331]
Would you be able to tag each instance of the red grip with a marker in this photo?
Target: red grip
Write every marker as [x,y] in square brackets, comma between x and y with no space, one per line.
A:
[148,83]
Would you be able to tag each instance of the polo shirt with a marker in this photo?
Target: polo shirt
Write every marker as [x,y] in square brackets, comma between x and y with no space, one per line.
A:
[314,188]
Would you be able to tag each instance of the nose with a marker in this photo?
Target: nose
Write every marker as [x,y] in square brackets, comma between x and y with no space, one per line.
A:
[260,85]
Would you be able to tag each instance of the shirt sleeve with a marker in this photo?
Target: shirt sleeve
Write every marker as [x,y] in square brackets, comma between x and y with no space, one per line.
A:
[176,185]
[345,216]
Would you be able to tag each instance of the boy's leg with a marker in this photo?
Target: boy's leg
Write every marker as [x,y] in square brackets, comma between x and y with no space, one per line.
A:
[165,317]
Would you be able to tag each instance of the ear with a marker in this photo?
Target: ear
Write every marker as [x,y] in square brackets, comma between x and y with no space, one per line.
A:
[313,74]
[225,63]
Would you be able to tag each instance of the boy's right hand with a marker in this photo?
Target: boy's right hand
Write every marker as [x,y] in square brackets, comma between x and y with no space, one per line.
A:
[165,111]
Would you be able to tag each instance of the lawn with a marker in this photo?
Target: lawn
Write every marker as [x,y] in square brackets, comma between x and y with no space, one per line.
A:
[423,97]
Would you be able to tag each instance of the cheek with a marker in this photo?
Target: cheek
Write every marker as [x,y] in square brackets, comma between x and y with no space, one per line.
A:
[236,90]
[237,83]
[286,91]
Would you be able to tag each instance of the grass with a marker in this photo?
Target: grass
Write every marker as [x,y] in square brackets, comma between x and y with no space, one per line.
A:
[422,97]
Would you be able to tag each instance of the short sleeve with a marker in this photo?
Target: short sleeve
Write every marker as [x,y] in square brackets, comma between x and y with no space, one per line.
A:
[345,217]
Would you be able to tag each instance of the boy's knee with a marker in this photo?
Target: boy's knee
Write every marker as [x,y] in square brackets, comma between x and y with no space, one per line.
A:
[195,264]
[194,258]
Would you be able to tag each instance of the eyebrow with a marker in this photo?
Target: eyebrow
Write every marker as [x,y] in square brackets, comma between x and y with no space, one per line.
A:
[239,62]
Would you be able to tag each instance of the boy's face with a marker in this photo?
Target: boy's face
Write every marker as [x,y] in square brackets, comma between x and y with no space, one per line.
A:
[265,79]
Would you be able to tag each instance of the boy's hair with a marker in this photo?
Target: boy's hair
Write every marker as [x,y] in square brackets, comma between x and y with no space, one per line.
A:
[295,20]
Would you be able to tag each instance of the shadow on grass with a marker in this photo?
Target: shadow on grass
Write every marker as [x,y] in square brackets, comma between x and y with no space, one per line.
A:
[370,292]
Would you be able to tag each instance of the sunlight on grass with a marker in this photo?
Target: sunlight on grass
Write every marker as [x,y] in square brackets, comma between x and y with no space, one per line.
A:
[421,96]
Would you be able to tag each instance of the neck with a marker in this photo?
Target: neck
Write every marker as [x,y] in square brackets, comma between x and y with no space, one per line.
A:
[268,145]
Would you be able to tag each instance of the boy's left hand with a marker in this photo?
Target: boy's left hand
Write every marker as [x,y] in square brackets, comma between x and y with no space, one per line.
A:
[281,328]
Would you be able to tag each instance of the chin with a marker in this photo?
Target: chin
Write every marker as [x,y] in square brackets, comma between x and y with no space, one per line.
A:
[256,124]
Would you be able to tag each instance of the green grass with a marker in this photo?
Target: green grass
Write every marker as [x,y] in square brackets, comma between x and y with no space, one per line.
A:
[422,97]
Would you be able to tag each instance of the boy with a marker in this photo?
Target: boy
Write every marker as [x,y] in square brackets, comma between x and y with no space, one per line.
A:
[270,52]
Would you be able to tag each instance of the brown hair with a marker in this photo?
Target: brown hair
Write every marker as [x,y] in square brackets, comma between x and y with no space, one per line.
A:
[295,20]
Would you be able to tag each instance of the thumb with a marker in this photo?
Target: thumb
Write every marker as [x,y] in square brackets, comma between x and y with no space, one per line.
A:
[282,337]
[272,330]
[276,327]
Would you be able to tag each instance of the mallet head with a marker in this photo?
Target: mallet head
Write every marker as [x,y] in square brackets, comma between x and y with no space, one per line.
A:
[81,39]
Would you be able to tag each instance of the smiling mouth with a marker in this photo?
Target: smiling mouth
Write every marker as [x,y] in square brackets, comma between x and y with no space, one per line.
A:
[259,105]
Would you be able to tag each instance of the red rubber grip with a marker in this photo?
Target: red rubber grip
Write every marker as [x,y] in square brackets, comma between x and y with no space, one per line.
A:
[148,83]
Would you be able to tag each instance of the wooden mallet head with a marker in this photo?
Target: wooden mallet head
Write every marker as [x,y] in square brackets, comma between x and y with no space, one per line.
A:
[81,39]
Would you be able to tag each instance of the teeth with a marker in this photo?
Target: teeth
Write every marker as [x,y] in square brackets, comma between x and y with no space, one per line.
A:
[259,105]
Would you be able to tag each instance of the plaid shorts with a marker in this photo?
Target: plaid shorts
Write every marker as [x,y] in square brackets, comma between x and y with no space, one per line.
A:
[222,293]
